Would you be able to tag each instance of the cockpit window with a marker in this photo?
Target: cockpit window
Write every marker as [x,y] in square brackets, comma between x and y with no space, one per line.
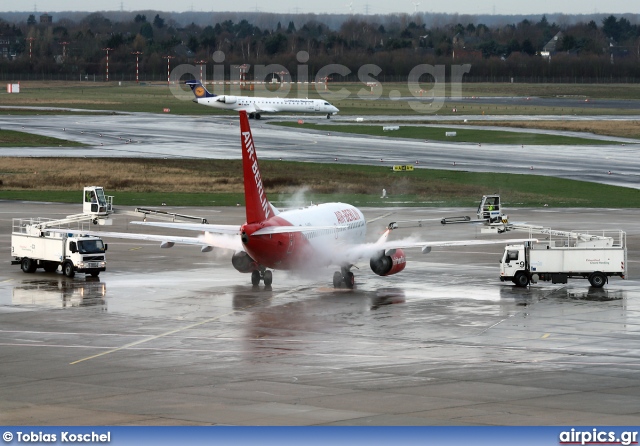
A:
[326,103]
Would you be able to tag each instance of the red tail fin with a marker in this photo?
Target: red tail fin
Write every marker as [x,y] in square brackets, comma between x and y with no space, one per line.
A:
[258,208]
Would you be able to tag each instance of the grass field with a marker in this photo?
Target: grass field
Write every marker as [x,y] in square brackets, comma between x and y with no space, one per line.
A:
[155,98]
[462,135]
[219,182]
[211,182]
[624,129]
[11,138]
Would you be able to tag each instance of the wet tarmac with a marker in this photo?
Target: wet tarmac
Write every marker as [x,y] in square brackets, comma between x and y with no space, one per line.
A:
[166,136]
[178,337]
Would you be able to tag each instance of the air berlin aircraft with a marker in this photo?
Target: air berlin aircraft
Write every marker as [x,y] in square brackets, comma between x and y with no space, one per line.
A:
[301,239]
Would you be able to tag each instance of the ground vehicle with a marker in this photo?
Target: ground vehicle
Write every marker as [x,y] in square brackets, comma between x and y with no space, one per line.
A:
[589,255]
[39,243]
[33,247]
[489,212]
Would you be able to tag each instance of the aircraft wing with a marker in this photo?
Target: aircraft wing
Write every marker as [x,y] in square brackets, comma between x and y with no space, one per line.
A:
[354,253]
[263,109]
[218,229]
[223,241]
[426,246]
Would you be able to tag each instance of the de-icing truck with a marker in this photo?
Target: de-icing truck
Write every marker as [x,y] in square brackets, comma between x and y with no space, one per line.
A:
[42,243]
[595,256]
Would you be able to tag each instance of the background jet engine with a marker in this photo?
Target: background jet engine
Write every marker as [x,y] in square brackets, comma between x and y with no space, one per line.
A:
[386,264]
[243,262]
[227,99]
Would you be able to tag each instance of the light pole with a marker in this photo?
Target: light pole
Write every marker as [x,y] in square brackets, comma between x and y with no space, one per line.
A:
[30,39]
[200,62]
[107,50]
[137,53]
[64,49]
[168,68]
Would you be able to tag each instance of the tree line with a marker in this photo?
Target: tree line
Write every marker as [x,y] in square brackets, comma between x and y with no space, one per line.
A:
[609,50]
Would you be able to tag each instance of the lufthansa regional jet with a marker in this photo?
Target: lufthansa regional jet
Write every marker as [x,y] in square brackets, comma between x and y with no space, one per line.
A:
[309,238]
[255,106]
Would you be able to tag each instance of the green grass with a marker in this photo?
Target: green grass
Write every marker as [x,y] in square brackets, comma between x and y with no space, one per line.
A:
[131,97]
[12,138]
[422,187]
[462,135]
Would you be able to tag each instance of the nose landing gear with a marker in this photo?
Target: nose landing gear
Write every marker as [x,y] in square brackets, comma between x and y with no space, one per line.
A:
[344,276]
[265,275]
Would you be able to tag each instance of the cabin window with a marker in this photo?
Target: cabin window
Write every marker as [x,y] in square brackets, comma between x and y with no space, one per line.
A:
[512,255]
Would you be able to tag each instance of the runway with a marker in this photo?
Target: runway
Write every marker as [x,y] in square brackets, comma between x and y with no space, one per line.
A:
[178,337]
[166,136]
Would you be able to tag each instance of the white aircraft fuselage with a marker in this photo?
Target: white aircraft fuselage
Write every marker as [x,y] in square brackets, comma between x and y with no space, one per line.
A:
[257,105]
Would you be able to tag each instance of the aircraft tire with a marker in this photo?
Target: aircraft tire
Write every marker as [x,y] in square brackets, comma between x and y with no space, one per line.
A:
[257,115]
[255,278]
[268,278]
[350,280]
[337,279]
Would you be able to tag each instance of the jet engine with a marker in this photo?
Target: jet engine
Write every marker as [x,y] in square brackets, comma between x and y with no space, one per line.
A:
[227,99]
[388,262]
[243,262]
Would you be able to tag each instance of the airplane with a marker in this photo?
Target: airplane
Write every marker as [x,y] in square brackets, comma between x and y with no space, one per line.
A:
[308,238]
[255,106]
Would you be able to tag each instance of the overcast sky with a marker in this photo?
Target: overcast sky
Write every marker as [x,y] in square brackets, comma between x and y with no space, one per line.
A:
[336,6]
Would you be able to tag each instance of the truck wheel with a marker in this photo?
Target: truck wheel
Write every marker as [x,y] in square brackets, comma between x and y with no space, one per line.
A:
[521,279]
[67,269]
[28,265]
[597,280]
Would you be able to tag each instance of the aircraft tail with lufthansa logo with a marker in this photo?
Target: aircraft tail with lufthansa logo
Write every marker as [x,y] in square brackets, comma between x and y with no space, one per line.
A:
[198,89]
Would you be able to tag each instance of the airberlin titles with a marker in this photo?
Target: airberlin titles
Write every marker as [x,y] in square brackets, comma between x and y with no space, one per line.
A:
[346,216]
[248,142]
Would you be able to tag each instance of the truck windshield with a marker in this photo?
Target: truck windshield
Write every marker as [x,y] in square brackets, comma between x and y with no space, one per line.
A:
[90,246]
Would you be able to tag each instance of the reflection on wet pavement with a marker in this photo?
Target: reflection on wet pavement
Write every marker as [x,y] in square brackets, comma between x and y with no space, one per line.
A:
[61,292]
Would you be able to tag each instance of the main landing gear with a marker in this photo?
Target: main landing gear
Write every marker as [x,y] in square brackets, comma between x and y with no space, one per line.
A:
[254,115]
[265,275]
[344,276]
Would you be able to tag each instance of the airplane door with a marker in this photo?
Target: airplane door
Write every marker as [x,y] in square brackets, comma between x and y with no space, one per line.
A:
[291,240]
[317,106]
